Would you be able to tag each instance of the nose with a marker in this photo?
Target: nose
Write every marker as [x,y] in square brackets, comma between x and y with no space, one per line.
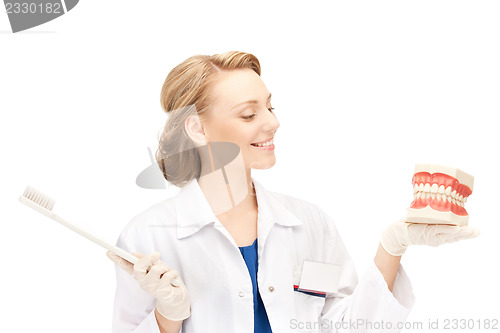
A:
[271,122]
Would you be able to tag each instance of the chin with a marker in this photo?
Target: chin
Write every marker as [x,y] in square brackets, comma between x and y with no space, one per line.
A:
[262,166]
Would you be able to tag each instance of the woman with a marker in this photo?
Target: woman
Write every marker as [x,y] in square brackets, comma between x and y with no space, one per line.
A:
[234,256]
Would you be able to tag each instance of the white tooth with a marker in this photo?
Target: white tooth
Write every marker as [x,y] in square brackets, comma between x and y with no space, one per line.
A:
[433,195]
[449,199]
[465,199]
[427,187]
[441,189]
[461,198]
[427,195]
[448,191]
[415,188]
[434,188]
[421,187]
[454,194]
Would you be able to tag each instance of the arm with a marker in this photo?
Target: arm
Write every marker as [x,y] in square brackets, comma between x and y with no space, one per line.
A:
[388,265]
[383,294]
[166,325]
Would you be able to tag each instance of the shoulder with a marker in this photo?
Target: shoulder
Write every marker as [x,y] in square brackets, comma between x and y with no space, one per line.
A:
[158,214]
[309,213]
[294,204]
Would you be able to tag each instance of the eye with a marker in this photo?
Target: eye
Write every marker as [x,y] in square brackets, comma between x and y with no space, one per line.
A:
[250,116]
[271,109]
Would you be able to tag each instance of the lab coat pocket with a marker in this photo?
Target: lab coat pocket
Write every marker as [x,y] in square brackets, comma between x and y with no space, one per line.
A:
[308,308]
[308,303]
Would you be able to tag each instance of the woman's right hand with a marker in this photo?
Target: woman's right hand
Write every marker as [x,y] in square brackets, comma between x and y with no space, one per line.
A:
[159,280]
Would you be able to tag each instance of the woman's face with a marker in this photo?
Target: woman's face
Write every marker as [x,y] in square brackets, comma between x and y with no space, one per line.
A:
[241,113]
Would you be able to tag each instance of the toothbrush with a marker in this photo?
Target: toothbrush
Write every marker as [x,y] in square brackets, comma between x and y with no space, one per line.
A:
[44,204]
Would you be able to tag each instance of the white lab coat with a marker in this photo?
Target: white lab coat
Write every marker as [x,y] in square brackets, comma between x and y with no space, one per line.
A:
[192,241]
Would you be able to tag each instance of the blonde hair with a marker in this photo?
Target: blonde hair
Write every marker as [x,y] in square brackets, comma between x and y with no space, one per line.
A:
[184,93]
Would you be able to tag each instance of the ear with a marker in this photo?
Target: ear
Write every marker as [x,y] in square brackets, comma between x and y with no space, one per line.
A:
[195,130]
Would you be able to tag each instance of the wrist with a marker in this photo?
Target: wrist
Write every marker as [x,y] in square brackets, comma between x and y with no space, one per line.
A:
[179,313]
[166,325]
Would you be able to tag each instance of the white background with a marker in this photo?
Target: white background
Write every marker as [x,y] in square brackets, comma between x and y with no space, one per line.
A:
[363,91]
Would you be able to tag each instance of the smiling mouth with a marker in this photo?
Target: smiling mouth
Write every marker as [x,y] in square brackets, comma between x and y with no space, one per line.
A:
[263,143]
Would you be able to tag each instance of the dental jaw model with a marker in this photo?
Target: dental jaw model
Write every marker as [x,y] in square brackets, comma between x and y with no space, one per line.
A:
[440,194]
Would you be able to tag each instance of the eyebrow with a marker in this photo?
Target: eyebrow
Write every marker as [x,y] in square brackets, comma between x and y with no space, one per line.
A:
[252,101]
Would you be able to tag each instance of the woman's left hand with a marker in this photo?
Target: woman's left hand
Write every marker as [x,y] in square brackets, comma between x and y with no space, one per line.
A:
[398,236]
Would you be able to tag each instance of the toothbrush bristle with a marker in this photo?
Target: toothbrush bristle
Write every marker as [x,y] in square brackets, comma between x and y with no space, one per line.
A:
[39,198]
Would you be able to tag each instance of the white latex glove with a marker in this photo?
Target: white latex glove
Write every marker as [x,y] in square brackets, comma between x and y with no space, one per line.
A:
[398,236]
[159,280]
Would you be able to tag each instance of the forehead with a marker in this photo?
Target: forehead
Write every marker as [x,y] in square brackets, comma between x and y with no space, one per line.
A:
[236,86]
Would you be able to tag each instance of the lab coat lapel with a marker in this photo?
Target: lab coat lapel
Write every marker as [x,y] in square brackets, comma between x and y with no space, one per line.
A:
[271,211]
[194,212]
[192,209]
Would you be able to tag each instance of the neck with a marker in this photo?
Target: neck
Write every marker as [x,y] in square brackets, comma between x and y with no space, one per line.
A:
[228,189]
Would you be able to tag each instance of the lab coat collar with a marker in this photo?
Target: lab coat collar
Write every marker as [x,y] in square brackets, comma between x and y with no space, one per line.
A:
[194,211]
[272,208]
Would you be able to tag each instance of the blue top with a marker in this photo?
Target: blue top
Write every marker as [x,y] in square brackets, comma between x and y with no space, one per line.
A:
[261,322]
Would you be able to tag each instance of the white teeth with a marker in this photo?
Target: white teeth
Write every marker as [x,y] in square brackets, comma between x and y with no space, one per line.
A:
[265,144]
[435,191]
[448,191]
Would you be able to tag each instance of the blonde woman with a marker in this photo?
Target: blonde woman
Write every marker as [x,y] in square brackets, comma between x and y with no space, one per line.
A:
[227,255]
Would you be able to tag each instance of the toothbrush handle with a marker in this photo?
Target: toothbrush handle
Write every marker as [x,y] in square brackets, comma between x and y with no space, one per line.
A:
[122,253]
